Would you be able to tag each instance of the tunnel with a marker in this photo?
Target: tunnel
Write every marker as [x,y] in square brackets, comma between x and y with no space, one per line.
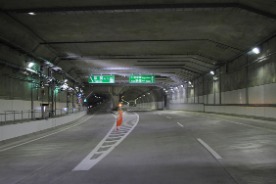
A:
[138,91]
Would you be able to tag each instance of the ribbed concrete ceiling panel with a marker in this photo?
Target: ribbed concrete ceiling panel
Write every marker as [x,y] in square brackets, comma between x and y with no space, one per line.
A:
[181,40]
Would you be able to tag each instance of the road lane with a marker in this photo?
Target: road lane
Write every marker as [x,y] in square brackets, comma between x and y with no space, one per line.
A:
[247,145]
[45,160]
[158,150]
[155,152]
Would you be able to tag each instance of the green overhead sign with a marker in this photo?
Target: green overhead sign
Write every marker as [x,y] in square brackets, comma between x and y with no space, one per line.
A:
[101,79]
[142,79]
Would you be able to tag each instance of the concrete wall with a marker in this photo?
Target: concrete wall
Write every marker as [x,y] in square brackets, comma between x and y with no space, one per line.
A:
[23,105]
[20,129]
[19,86]
[261,112]
[187,107]
[244,86]
[147,106]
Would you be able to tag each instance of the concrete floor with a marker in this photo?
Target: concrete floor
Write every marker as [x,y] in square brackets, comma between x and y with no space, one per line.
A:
[165,147]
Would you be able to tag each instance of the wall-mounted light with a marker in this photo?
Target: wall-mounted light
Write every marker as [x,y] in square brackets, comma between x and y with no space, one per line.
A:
[256,50]
[32,13]
[30,65]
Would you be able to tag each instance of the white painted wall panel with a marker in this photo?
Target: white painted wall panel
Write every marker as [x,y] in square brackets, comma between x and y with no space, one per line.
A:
[217,98]
[16,130]
[234,97]
[211,99]
[270,93]
[201,99]
[188,107]
[23,105]
[14,105]
[256,95]
[205,98]
[191,100]
[266,112]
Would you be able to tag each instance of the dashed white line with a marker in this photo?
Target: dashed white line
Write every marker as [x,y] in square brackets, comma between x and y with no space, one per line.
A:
[213,152]
[180,124]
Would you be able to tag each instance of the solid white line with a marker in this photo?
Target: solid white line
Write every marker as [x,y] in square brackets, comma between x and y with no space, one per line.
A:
[213,152]
[180,124]
[46,135]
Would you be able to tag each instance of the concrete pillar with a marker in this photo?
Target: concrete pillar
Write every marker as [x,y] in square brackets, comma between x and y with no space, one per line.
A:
[115,100]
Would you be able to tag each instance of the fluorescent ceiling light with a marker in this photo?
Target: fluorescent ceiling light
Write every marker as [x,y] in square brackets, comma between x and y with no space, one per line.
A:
[31,13]
[256,50]
[30,65]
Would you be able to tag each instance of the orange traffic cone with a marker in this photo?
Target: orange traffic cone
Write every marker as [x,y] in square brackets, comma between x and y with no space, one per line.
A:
[119,119]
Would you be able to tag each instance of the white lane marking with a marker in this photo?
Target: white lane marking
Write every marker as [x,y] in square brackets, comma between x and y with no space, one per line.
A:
[18,145]
[213,152]
[168,117]
[89,161]
[180,124]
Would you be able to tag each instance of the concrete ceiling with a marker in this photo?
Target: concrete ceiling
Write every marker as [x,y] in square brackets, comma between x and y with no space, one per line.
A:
[175,40]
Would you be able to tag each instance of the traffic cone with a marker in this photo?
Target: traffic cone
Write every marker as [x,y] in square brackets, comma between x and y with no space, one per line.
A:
[119,119]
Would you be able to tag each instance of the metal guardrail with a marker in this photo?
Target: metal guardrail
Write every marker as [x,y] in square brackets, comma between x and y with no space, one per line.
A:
[10,117]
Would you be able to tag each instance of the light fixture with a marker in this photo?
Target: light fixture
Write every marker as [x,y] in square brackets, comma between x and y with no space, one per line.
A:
[212,72]
[256,50]
[32,13]
[182,86]
[30,65]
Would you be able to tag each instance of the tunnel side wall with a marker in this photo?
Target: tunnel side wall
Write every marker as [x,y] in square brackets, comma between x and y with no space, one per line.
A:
[20,129]
[244,86]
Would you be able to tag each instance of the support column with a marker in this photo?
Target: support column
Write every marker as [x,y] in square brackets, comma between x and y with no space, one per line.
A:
[194,91]
[32,101]
[220,87]
[247,81]
[115,99]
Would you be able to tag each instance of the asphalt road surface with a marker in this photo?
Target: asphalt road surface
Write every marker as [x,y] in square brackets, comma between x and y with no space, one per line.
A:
[160,147]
